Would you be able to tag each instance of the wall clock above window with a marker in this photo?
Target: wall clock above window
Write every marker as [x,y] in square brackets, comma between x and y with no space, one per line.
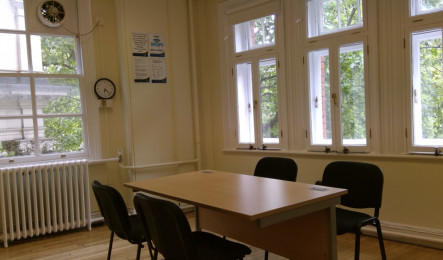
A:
[51,13]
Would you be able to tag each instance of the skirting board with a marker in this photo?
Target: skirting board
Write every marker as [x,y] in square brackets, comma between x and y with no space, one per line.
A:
[409,234]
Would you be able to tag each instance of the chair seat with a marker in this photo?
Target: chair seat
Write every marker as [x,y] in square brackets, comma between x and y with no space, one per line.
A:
[348,220]
[212,247]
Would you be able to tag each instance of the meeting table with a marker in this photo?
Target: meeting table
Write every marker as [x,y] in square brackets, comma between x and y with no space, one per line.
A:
[292,219]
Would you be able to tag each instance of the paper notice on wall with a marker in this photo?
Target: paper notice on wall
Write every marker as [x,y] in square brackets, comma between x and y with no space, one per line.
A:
[140,57]
[141,69]
[140,45]
[156,45]
[149,58]
[158,69]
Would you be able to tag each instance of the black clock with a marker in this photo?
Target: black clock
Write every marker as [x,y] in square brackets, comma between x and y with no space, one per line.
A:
[104,88]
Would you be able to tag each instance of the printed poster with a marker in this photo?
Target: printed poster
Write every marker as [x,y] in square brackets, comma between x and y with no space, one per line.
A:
[149,58]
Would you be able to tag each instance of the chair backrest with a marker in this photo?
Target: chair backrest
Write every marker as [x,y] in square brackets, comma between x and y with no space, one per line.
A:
[276,168]
[167,227]
[364,182]
[113,208]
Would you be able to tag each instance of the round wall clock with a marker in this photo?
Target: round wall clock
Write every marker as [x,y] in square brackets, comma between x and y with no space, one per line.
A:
[104,88]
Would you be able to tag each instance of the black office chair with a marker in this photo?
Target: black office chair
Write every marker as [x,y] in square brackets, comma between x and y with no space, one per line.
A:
[276,168]
[364,182]
[114,211]
[171,234]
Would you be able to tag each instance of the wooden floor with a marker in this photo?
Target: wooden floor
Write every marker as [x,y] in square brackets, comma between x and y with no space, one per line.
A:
[93,245]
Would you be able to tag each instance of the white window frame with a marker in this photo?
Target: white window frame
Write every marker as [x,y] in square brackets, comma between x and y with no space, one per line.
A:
[235,12]
[366,34]
[415,9]
[337,145]
[314,18]
[414,111]
[84,48]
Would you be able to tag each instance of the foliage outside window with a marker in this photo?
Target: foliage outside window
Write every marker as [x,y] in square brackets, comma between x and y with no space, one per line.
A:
[330,16]
[256,84]
[41,110]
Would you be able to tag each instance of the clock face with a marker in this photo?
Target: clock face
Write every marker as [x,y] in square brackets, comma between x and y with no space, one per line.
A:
[104,88]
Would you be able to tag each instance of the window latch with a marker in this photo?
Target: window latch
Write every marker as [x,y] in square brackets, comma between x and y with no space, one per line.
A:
[436,151]
[334,98]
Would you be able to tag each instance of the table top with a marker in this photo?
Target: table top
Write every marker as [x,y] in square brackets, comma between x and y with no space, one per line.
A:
[244,195]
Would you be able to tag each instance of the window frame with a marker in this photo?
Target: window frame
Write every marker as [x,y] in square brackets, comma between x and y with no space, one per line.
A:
[235,12]
[414,9]
[84,48]
[254,60]
[346,31]
[333,47]
[366,34]
[410,67]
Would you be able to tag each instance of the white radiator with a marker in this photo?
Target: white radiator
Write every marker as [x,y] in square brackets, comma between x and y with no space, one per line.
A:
[44,198]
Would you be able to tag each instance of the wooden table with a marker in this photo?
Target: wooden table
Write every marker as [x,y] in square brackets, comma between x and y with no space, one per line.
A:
[291,219]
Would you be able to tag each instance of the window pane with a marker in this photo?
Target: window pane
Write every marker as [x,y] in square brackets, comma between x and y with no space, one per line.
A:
[16,137]
[57,95]
[12,14]
[255,34]
[320,103]
[428,92]
[60,134]
[269,101]
[15,96]
[425,6]
[352,95]
[329,16]
[54,54]
[244,104]
[14,58]
[349,13]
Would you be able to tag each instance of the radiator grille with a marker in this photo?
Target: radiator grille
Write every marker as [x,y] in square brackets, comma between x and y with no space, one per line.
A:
[43,199]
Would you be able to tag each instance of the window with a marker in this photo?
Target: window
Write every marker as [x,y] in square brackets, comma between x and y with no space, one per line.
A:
[41,111]
[337,111]
[330,16]
[337,77]
[256,82]
[418,7]
[427,88]
[255,34]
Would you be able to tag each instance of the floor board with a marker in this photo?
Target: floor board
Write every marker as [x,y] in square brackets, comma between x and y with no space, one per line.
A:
[93,245]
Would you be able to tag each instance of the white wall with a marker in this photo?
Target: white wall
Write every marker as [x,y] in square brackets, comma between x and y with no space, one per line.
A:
[151,123]
[158,118]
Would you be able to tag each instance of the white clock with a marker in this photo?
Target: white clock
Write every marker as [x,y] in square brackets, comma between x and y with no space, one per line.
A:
[104,88]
